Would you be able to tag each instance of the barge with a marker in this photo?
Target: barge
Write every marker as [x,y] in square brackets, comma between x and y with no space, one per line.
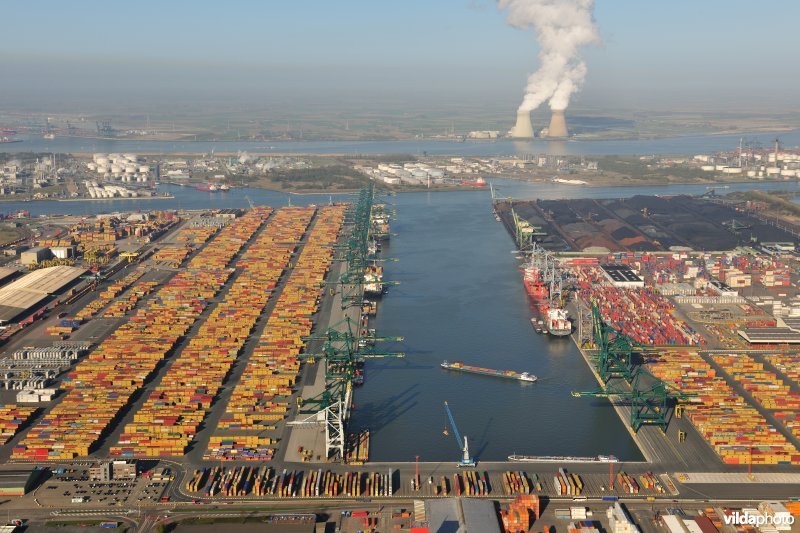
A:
[508,374]
[562,459]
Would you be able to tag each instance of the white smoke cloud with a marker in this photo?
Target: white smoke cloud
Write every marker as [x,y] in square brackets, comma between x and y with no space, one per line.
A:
[562,27]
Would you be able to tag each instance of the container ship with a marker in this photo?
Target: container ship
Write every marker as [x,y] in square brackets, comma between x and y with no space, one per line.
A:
[562,459]
[373,281]
[461,367]
[549,316]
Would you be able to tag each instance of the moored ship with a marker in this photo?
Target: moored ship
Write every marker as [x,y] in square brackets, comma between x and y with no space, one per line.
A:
[508,374]
[542,283]
[562,459]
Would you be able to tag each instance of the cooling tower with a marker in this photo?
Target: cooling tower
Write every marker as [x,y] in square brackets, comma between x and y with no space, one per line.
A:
[558,125]
[523,129]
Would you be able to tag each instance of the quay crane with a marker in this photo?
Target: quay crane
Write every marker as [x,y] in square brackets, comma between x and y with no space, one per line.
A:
[649,399]
[466,460]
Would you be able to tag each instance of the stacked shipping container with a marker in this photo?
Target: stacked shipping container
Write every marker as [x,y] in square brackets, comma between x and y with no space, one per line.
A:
[642,314]
[100,386]
[736,431]
[261,396]
[169,419]
[12,417]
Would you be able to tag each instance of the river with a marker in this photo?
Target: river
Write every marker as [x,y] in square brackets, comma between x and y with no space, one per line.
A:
[689,144]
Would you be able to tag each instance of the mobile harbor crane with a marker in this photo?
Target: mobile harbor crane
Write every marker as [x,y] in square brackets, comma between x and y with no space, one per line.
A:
[466,460]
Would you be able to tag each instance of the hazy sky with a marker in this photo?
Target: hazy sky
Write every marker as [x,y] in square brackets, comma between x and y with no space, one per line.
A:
[729,54]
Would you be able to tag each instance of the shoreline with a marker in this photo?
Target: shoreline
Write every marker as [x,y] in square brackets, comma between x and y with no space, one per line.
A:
[34,200]
[170,197]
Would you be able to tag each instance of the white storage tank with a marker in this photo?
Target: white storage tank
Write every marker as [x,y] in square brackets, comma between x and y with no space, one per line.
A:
[144,169]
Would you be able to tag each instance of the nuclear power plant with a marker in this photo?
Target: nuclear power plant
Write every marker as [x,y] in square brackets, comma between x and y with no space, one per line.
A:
[523,129]
[558,125]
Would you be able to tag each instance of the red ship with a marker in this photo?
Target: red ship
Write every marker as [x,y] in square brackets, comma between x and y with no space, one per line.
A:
[549,317]
[534,285]
[480,182]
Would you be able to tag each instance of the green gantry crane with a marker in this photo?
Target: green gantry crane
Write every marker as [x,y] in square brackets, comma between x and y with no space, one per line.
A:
[650,399]
[344,352]
[615,357]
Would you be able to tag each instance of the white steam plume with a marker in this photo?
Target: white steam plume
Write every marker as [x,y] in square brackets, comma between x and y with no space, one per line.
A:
[561,26]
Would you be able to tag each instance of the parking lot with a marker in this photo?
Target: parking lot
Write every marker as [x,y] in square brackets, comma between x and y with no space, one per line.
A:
[68,485]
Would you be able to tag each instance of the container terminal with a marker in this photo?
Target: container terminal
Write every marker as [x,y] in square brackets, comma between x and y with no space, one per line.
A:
[133,348]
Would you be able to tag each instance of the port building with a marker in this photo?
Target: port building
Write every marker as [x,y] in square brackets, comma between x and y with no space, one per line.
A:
[461,514]
[18,482]
[623,277]
[22,295]
[34,255]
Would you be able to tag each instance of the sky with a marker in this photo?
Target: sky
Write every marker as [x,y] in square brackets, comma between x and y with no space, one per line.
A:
[656,54]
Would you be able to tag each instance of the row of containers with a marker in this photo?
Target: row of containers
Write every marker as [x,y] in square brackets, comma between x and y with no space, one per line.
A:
[170,417]
[243,481]
[630,485]
[123,305]
[789,366]
[567,483]
[102,385]
[240,481]
[261,397]
[12,419]
[518,482]
[641,313]
[736,431]
[357,448]
[764,385]
[767,388]
[186,240]
[106,296]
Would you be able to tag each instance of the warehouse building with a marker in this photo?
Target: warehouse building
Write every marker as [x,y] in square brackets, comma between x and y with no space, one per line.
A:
[7,274]
[770,335]
[623,277]
[22,295]
[19,482]
[460,514]
[34,255]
